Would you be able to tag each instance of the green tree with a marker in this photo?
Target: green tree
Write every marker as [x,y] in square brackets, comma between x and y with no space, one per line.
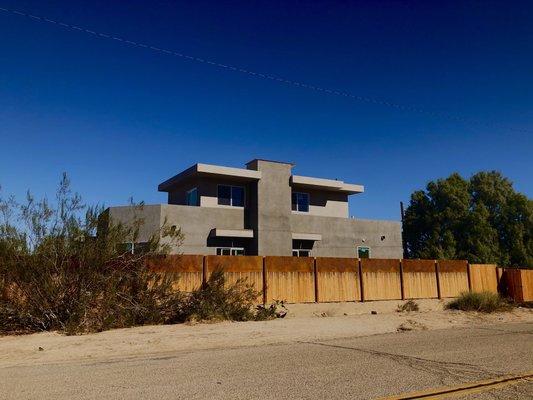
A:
[482,219]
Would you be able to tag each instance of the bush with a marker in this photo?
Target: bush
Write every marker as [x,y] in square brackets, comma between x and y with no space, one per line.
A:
[67,268]
[217,301]
[409,305]
[487,302]
[58,273]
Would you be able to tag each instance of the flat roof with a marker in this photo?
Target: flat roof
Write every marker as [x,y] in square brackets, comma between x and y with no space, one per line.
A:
[198,170]
[327,184]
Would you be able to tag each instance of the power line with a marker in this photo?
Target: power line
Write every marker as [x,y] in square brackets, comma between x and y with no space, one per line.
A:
[303,85]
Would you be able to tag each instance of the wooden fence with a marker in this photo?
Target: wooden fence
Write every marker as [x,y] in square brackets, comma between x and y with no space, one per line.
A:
[327,279]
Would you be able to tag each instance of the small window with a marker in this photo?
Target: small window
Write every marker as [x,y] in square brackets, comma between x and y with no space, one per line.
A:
[192,197]
[363,252]
[230,251]
[231,195]
[300,202]
[300,253]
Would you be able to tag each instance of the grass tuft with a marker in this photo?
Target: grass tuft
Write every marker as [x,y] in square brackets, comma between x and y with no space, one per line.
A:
[409,305]
[486,302]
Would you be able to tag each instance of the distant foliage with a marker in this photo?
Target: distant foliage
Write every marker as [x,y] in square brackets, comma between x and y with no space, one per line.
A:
[482,220]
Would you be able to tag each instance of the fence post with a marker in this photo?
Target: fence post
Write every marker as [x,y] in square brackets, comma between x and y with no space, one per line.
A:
[437,273]
[361,283]
[469,276]
[264,281]
[204,270]
[315,271]
[402,290]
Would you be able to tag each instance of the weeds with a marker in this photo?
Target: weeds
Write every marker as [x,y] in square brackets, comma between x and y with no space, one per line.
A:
[216,301]
[486,302]
[408,306]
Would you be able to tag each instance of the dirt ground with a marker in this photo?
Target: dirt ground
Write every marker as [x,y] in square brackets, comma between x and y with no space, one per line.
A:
[304,322]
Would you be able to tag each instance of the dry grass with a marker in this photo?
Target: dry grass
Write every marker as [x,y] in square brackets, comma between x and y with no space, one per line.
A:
[486,302]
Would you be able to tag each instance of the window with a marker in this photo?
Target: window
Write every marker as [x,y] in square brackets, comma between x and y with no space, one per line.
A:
[231,195]
[300,202]
[192,197]
[300,253]
[230,251]
[363,252]
[135,248]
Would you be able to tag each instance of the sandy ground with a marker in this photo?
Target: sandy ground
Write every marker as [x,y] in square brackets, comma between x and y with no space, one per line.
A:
[304,322]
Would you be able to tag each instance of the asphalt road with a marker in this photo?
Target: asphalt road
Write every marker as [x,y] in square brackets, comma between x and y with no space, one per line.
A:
[358,368]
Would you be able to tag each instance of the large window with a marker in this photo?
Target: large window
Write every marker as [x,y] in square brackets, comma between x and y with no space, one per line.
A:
[192,197]
[230,251]
[231,195]
[300,202]
[363,252]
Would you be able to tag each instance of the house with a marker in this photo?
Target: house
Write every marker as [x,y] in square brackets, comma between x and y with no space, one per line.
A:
[264,209]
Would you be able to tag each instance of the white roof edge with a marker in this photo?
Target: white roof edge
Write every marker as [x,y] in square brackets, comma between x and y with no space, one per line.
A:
[307,236]
[228,171]
[242,233]
[336,185]
[350,187]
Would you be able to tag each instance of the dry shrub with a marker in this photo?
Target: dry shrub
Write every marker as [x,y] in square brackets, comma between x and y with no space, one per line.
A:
[486,302]
[216,301]
[408,306]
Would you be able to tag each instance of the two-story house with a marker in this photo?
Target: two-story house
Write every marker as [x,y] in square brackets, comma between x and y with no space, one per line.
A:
[264,210]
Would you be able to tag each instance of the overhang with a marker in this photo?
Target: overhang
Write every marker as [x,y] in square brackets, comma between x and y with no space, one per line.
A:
[327,184]
[307,236]
[208,170]
[240,233]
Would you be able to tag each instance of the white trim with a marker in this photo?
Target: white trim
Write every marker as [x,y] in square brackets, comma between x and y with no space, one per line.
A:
[298,252]
[231,250]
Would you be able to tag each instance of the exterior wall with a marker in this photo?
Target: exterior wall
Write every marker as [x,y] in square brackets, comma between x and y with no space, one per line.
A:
[341,236]
[150,215]
[196,224]
[324,203]
[271,209]
[268,213]
[207,191]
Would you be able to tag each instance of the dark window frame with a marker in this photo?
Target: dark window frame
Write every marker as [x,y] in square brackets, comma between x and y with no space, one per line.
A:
[231,195]
[295,202]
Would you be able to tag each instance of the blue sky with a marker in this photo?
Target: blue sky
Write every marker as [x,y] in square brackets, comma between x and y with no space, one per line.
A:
[120,119]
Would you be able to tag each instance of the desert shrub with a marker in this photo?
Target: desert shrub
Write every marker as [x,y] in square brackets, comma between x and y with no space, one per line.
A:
[487,302]
[59,273]
[215,300]
[272,311]
[409,305]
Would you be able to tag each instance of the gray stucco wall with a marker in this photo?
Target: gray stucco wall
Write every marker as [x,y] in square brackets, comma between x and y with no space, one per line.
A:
[272,208]
[341,236]
[196,223]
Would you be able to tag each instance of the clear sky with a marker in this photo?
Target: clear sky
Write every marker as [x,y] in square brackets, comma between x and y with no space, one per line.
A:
[121,119]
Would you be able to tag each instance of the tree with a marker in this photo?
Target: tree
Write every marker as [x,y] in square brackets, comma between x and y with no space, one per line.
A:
[483,220]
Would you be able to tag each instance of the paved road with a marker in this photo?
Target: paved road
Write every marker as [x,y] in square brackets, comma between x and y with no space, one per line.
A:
[358,368]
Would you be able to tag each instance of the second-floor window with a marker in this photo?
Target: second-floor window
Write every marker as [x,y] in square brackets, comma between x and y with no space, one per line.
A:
[231,195]
[192,197]
[300,202]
